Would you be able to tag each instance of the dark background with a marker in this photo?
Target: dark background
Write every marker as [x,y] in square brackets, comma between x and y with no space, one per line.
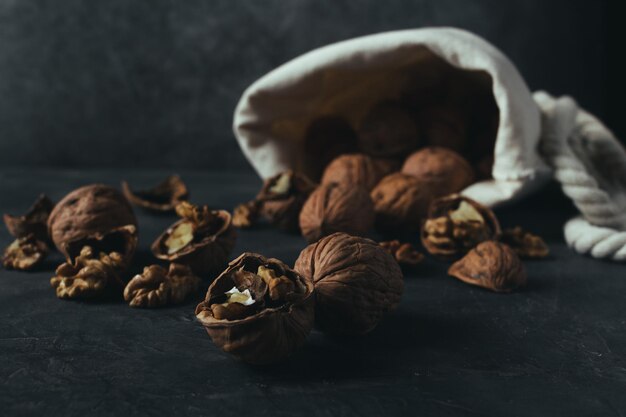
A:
[153,84]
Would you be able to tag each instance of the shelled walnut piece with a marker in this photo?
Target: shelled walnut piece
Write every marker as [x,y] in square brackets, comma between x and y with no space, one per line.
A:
[245,215]
[404,253]
[163,197]
[525,244]
[491,265]
[24,253]
[158,287]
[89,276]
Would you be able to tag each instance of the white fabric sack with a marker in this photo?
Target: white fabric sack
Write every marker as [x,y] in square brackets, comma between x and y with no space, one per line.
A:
[348,77]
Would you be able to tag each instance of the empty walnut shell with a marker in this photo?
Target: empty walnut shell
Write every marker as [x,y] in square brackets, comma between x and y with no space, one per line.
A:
[356,282]
[491,265]
[448,171]
[281,199]
[400,203]
[444,126]
[34,222]
[456,224]
[336,208]
[94,215]
[207,250]
[358,169]
[269,328]
[162,198]
[388,130]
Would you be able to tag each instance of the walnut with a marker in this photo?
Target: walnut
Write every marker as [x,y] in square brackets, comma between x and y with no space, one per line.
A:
[356,282]
[358,169]
[404,253]
[258,309]
[444,126]
[163,197]
[281,199]
[446,170]
[89,276]
[158,287]
[97,216]
[25,253]
[492,265]
[456,224]
[336,208]
[388,130]
[325,139]
[400,203]
[246,214]
[525,244]
[33,222]
[203,239]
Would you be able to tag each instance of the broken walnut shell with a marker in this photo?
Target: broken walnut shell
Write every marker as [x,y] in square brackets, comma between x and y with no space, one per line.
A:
[455,224]
[25,253]
[34,221]
[163,197]
[158,287]
[243,318]
[336,208]
[356,282]
[358,169]
[388,130]
[525,244]
[491,265]
[446,170]
[94,215]
[404,253]
[203,240]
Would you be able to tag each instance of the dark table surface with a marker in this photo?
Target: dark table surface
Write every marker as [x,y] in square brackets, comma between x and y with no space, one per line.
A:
[556,348]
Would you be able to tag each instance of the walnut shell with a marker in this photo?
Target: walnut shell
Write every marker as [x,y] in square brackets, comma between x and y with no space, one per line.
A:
[209,250]
[400,203]
[456,224]
[525,244]
[162,198]
[34,221]
[491,265]
[358,169]
[356,282]
[388,130]
[448,171]
[270,329]
[281,205]
[336,208]
[444,126]
[94,215]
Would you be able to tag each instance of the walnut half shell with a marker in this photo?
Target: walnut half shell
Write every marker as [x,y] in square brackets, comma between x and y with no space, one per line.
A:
[258,309]
[33,222]
[162,198]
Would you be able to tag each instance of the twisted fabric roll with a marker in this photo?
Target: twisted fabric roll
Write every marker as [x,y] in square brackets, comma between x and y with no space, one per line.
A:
[590,164]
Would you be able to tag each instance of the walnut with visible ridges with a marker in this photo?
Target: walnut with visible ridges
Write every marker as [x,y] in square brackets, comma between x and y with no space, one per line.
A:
[446,171]
[388,130]
[525,244]
[163,197]
[158,287]
[491,265]
[258,309]
[24,253]
[358,169]
[404,253]
[34,222]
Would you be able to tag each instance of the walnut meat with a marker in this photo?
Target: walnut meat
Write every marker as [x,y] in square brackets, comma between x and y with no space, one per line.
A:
[446,170]
[491,265]
[358,169]
[95,215]
[203,239]
[456,224]
[388,130]
[400,203]
[34,222]
[356,282]
[258,309]
[525,244]
[163,197]
[158,287]
[245,215]
[281,199]
[336,208]
[24,253]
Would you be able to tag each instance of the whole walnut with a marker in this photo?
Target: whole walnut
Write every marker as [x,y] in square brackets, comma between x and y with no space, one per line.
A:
[359,169]
[491,265]
[336,208]
[456,224]
[448,171]
[400,203]
[444,126]
[281,199]
[258,309]
[356,282]
[97,216]
[388,130]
